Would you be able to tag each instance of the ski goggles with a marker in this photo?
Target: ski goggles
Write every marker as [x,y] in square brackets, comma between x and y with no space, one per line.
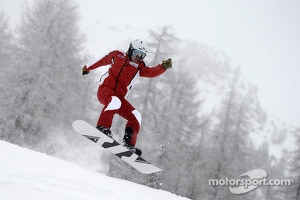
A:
[139,54]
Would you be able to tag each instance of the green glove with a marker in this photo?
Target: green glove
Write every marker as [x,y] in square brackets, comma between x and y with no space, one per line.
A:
[167,64]
[85,71]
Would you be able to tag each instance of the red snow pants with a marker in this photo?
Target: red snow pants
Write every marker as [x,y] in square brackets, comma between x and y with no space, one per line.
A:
[114,104]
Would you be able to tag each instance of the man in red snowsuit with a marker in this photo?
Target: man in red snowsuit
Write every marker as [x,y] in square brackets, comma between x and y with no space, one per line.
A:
[116,83]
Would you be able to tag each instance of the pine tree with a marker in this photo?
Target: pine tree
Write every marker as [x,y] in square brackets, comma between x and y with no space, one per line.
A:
[7,65]
[181,133]
[5,43]
[239,115]
[293,192]
[48,93]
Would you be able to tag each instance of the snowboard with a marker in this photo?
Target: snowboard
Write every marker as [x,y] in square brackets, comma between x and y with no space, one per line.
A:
[87,130]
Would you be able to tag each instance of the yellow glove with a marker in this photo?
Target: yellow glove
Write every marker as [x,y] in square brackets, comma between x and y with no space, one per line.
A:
[167,64]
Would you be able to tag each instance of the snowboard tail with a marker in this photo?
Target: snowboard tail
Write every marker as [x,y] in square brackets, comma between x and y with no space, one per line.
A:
[92,133]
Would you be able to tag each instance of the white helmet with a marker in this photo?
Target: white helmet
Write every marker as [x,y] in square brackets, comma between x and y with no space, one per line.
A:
[139,45]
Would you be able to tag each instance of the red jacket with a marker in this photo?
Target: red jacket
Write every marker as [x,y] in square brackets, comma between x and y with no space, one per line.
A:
[120,76]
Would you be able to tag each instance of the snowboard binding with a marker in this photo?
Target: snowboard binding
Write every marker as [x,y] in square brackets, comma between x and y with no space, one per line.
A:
[105,130]
[137,151]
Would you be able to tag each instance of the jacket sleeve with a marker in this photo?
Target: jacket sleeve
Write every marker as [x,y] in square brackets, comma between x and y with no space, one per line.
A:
[151,72]
[106,60]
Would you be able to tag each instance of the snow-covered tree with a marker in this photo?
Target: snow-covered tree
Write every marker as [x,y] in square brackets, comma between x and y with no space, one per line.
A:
[293,192]
[48,63]
[5,43]
[182,133]
[239,115]
[7,49]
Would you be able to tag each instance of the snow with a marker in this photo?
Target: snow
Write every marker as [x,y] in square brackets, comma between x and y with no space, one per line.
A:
[25,174]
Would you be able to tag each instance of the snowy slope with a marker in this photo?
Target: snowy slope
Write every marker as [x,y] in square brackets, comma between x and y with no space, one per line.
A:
[28,175]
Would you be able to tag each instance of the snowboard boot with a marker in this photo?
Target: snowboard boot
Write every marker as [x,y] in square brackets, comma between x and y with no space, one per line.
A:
[127,138]
[105,130]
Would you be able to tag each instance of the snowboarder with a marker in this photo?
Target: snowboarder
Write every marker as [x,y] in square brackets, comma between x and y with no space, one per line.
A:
[117,82]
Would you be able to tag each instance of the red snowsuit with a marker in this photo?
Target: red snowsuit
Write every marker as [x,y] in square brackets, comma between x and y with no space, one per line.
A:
[116,83]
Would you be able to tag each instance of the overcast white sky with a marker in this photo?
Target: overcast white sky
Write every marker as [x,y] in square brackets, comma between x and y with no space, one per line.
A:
[260,36]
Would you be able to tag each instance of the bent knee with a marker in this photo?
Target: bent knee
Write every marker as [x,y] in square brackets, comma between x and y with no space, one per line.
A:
[137,116]
[114,104]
